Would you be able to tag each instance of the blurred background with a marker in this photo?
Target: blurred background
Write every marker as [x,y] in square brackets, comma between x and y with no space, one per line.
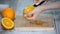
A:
[18,6]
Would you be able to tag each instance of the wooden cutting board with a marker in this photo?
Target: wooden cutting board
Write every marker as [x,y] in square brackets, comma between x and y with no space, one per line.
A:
[43,21]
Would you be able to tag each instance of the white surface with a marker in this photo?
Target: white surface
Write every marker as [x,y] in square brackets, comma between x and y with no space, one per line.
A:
[37,29]
[2,6]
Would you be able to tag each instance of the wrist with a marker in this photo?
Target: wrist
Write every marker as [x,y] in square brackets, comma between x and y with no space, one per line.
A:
[45,7]
[42,7]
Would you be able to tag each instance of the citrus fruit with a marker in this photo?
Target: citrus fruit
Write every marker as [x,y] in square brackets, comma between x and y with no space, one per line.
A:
[7,23]
[8,12]
[28,9]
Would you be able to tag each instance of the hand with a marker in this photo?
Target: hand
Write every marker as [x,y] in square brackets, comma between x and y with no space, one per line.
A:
[40,9]
[35,13]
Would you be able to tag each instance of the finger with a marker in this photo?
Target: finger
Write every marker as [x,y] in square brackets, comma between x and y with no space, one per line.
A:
[32,18]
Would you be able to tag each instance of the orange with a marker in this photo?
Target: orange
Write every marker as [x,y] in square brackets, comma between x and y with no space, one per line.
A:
[8,12]
[28,9]
[7,23]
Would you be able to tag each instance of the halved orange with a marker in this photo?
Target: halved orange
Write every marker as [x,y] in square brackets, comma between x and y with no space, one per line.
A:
[7,23]
[28,9]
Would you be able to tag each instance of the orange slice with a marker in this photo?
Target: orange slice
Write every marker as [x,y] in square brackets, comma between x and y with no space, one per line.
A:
[7,23]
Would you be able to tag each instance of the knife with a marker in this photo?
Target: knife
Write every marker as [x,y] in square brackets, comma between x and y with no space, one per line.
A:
[39,3]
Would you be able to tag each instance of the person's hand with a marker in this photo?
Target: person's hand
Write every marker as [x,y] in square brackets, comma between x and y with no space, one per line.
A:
[35,13]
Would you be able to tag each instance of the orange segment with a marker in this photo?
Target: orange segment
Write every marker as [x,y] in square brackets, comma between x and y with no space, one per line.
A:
[7,23]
